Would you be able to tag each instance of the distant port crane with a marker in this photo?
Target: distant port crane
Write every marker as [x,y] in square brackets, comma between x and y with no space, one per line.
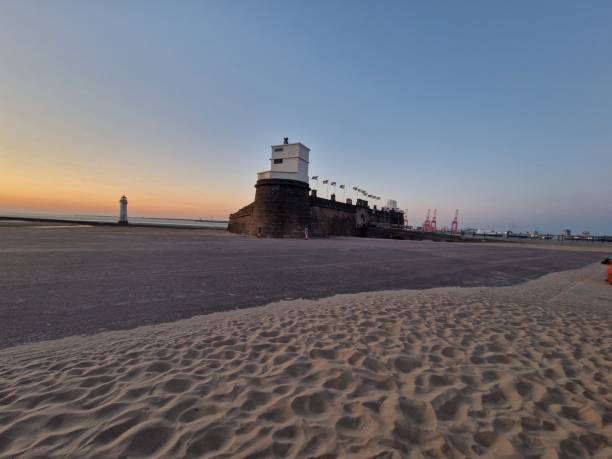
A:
[431,223]
[427,224]
[455,223]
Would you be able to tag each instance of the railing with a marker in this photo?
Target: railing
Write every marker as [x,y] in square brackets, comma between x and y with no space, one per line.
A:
[277,175]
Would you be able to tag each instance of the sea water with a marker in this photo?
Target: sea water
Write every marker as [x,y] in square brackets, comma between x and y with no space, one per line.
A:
[157,221]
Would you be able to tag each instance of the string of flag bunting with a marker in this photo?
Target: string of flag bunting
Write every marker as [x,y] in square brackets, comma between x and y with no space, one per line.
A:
[359,191]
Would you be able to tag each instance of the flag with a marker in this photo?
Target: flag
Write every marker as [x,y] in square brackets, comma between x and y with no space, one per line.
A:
[325,181]
[342,187]
[333,183]
[315,177]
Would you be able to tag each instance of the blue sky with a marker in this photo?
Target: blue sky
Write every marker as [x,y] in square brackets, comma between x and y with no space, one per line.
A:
[500,109]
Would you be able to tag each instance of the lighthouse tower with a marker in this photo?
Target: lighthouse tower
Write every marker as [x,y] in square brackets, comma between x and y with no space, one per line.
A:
[123,218]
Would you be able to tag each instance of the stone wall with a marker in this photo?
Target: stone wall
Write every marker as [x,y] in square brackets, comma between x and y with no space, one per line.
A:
[331,218]
[240,222]
[281,209]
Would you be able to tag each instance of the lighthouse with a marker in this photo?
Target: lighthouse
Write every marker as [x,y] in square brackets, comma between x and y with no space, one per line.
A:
[123,218]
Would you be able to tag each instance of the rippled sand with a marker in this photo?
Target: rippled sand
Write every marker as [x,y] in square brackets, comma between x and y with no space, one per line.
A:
[504,372]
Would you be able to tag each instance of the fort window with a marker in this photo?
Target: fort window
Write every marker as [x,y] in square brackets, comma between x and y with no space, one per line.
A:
[278,149]
[278,161]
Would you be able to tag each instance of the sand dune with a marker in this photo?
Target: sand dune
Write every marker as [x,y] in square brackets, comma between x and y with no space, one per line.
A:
[523,371]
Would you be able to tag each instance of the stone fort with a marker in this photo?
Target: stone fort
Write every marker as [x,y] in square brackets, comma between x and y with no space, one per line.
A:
[286,207]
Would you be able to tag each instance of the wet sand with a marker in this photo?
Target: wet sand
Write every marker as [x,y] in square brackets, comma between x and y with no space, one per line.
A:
[519,371]
[57,282]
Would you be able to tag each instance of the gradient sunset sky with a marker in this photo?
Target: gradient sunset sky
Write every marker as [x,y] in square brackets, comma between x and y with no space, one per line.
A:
[500,109]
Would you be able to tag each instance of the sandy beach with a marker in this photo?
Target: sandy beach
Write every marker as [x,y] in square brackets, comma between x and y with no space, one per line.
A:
[520,371]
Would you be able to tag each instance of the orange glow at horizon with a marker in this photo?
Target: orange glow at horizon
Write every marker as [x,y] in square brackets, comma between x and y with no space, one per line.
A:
[28,186]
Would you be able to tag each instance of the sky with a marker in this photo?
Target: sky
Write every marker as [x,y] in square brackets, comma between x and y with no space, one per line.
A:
[500,109]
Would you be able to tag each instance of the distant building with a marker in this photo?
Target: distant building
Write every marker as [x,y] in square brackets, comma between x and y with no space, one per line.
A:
[392,204]
[566,232]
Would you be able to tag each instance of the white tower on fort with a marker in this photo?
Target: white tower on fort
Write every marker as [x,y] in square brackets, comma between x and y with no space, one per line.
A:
[123,202]
[289,161]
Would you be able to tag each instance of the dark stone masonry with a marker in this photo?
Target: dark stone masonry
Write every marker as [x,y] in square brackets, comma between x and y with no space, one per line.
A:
[283,208]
